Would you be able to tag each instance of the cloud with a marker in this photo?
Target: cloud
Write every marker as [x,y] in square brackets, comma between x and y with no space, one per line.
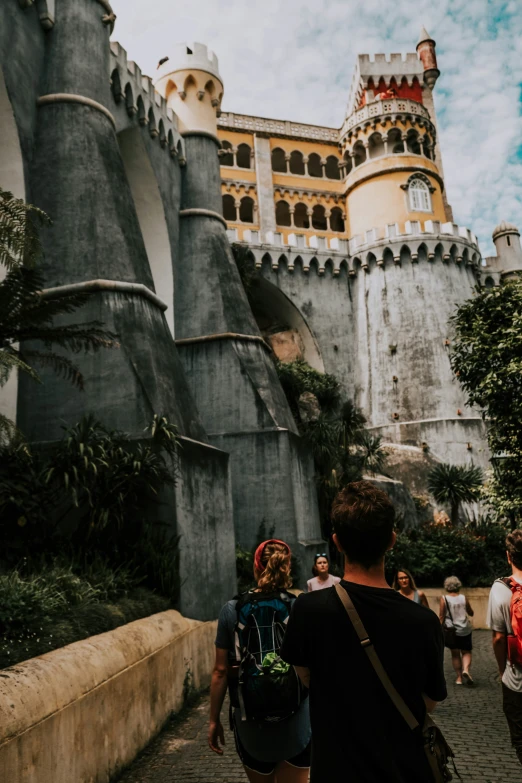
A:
[293,59]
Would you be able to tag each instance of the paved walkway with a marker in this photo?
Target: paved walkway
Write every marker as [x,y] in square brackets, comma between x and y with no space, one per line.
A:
[472,721]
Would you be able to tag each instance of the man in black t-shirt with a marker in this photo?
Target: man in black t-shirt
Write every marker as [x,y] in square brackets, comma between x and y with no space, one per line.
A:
[358,736]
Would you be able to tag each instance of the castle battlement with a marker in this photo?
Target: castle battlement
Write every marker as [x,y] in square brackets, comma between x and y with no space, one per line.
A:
[190,57]
[143,102]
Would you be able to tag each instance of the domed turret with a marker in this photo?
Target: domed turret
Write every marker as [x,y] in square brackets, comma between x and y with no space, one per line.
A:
[191,83]
[426,49]
[506,237]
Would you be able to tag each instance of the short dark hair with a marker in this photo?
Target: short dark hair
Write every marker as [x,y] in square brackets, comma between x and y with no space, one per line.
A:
[363,517]
[514,547]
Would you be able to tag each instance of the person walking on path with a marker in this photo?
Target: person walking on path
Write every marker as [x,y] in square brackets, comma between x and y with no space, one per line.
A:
[454,613]
[505,622]
[322,577]
[404,583]
[358,734]
[270,714]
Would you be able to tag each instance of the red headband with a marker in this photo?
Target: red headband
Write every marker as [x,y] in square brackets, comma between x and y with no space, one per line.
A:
[261,548]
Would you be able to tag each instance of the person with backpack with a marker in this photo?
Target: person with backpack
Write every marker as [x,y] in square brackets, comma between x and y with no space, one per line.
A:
[505,621]
[269,712]
[454,613]
[368,700]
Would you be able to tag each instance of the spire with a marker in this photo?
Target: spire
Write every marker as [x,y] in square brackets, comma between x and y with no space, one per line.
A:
[426,50]
[424,36]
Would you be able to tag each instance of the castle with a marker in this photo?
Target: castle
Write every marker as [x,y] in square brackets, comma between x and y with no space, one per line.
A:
[360,267]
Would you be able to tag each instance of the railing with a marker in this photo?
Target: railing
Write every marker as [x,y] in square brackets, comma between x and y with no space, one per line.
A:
[389,233]
[277,127]
[378,108]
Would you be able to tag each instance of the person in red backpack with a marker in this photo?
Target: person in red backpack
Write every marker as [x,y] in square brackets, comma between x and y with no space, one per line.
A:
[505,620]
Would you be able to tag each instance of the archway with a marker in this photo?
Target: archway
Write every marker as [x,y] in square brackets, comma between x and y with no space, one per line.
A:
[282,325]
[151,216]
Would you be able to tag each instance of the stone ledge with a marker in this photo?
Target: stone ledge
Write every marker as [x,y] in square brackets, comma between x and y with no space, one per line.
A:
[112,692]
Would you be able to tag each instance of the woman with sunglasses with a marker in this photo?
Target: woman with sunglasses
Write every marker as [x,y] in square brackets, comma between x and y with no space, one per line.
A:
[322,577]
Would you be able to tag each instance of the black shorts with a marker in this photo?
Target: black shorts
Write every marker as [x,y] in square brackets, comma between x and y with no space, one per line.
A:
[464,643]
[302,760]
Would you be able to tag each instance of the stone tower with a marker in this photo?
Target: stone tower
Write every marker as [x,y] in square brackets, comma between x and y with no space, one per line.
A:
[506,237]
[228,364]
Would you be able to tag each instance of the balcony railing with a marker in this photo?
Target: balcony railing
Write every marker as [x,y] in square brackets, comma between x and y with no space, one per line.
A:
[378,108]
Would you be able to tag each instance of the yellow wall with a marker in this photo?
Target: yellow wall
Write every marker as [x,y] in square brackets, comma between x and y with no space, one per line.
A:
[236,137]
[380,200]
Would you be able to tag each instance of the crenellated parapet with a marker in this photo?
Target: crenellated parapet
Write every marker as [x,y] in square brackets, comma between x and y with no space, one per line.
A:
[143,103]
[445,243]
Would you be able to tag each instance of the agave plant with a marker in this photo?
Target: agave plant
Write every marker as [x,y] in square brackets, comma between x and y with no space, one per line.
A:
[454,485]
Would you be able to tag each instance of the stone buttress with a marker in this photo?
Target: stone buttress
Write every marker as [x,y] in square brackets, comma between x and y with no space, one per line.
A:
[95,245]
[227,363]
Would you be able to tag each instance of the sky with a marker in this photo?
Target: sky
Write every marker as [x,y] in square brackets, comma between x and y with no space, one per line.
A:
[294,59]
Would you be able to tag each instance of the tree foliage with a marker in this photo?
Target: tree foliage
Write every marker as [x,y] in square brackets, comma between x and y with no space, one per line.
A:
[454,485]
[94,491]
[342,448]
[487,359]
[476,554]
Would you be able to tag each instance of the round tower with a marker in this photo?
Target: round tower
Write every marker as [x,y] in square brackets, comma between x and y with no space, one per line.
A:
[506,237]
[191,83]
[426,51]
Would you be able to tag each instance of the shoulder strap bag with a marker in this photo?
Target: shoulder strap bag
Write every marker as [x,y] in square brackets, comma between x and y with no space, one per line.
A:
[437,750]
[450,632]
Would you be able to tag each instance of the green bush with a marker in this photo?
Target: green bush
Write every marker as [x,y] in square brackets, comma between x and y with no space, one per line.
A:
[432,552]
[44,606]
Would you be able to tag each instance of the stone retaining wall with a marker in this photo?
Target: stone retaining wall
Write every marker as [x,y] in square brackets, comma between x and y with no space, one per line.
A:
[81,713]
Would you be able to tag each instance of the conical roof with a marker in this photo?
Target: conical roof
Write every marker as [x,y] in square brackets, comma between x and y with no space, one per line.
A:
[505,228]
[424,36]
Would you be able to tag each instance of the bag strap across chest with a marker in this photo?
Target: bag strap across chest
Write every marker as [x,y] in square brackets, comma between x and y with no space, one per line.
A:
[374,659]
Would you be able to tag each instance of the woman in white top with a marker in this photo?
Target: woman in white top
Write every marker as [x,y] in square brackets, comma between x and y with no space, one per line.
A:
[322,577]
[455,611]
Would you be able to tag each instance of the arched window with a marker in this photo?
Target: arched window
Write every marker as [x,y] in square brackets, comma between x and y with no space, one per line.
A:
[419,194]
[336,220]
[332,167]
[489,282]
[319,218]
[297,165]
[246,210]
[426,142]
[412,142]
[301,219]
[243,156]
[315,168]
[359,153]
[375,145]
[278,160]
[395,142]
[283,214]
[228,158]
[229,208]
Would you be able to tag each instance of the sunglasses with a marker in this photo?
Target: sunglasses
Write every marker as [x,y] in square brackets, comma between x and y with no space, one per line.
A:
[321,554]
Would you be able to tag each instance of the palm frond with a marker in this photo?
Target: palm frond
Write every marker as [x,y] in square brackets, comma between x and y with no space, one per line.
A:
[19,240]
[61,365]
[10,359]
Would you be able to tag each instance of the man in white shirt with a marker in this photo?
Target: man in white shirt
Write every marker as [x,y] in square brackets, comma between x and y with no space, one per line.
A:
[499,620]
